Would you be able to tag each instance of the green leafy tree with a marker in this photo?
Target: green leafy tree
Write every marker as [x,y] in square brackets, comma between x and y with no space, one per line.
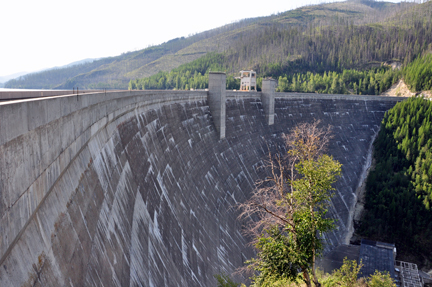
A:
[379,279]
[291,206]
[346,276]
[225,281]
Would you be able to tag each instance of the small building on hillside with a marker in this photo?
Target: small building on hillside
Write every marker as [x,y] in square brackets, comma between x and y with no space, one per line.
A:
[248,81]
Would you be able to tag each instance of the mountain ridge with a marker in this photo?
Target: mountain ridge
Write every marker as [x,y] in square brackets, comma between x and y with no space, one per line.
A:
[231,39]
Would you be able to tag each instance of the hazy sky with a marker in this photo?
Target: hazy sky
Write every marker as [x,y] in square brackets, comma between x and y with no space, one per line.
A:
[46,33]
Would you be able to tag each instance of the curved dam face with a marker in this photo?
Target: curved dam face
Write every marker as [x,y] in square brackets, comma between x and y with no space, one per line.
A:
[137,189]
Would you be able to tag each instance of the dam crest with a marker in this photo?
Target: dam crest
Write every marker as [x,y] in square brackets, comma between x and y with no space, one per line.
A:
[136,188]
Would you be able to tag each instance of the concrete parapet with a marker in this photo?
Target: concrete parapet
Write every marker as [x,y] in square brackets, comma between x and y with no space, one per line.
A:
[216,100]
[267,99]
[27,94]
[21,116]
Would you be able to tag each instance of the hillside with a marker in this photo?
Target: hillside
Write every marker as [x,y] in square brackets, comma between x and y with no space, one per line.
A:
[399,188]
[116,72]
[326,37]
[4,79]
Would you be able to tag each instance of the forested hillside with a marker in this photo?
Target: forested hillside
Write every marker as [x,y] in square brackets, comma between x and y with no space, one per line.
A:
[193,75]
[330,48]
[340,45]
[418,74]
[317,39]
[399,188]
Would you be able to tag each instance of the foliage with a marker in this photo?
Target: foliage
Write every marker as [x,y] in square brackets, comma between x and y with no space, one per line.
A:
[418,74]
[272,281]
[347,275]
[225,281]
[399,189]
[275,257]
[370,82]
[336,44]
[379,279]
[193,75]
[291,206]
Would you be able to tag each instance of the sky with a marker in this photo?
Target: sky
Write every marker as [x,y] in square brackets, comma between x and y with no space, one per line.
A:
[41,34]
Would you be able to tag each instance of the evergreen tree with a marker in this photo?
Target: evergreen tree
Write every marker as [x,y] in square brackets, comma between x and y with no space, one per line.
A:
[399,189]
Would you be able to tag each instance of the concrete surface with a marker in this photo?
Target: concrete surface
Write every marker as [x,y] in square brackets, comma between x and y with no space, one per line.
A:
[26,94]
[334,259]
[267,99]
[137,188]
[216,100]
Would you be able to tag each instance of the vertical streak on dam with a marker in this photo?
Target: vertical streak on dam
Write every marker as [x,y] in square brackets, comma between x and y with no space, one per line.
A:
[137,188]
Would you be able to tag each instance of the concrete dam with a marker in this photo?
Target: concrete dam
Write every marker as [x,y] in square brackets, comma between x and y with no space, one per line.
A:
[139,188]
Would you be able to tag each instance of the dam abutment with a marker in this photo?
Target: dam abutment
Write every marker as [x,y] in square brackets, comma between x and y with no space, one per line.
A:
[136,188]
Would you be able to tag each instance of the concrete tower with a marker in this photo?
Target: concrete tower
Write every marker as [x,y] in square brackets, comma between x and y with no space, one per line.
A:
[268,99]
[216,99]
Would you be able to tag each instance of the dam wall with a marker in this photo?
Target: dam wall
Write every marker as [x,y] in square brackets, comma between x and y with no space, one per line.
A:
[16,94]
[138,189]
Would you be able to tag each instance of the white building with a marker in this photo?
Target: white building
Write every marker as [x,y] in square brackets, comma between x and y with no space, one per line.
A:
[248,81]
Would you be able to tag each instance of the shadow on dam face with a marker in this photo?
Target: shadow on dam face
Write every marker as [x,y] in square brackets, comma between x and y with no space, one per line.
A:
[132,195]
